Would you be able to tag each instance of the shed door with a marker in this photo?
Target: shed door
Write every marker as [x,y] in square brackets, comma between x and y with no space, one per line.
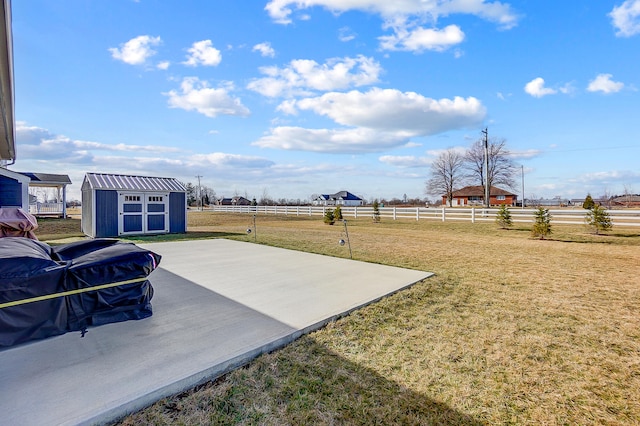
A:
[130,208]
[143,213]
[156,213]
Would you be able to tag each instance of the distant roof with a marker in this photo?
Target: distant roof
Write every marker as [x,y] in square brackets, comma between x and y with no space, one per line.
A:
[7,129]
[47,178]
[342,195]
[478,191]
[129,182]
[626,199]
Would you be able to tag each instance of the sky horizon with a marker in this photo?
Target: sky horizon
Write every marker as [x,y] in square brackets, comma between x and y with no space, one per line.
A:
[289,98]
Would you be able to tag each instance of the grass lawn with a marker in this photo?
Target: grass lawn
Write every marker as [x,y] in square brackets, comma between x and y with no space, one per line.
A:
[510,330]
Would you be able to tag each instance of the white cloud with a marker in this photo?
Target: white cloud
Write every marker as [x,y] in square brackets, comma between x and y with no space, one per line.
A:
[358,140]
[608,178]
[374,121]
[345,34]
[164,65]
[38,143]
[265,49]
[136,51]
[567,89]
[501,13]
[408,161]
[603,83]
[437,152]
[529,153]
[302,76]
[195,94]
[393,110]
[626,18]
[203,53]
[536,88]
[224,160]
[419,39]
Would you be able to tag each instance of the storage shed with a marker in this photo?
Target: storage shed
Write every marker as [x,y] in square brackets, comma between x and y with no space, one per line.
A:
[118,205]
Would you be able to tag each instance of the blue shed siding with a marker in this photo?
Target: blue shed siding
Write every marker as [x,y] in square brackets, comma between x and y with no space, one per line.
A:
[155,222]
[10,192]
[177,212]
[106,214]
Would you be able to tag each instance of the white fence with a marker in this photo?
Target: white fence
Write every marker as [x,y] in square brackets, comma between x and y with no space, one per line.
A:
[46,208]
[478,214]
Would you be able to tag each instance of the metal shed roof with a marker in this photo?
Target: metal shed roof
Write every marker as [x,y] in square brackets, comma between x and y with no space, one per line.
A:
[128,182]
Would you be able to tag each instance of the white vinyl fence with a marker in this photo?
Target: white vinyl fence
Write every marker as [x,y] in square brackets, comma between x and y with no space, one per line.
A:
[565,216]
[46,208]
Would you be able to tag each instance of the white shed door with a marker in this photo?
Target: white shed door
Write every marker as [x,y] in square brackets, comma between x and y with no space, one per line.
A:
[143,213]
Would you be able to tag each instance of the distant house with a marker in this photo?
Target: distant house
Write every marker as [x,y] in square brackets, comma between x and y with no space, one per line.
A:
[342,198]
[626,201]
[58,183]
[240,201]
[474,196]
[14,192]
[234,201]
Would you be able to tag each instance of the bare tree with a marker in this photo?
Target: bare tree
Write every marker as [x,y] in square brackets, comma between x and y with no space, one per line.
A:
[606,197]
[627,195]
[502,169]
[266,199]
[446,174]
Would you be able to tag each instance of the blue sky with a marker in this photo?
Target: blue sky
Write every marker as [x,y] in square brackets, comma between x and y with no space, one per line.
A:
[288,98]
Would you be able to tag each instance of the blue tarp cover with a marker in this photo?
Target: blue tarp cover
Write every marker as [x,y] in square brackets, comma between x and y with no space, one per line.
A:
[31,269]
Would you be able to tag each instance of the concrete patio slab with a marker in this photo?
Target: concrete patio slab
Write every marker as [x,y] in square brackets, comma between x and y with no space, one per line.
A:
[217,305]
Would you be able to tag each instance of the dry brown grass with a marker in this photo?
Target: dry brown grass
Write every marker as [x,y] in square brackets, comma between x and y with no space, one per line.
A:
[58,229]
[511,330]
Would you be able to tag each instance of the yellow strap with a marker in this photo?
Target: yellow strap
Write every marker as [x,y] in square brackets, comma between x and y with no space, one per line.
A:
[68,293]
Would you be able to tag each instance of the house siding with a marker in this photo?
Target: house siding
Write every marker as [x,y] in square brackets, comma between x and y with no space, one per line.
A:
[10,192]
[474,196]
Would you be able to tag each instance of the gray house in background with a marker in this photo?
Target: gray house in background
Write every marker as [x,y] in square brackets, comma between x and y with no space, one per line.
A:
[49,207]
[119,205]
[14,192]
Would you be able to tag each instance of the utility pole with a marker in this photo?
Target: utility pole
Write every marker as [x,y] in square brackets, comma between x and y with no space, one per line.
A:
[522,169]
[487,194]
[199,192]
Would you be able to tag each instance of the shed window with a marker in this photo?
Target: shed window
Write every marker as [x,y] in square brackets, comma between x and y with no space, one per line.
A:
[132,198]
[155,199]
[501,197]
